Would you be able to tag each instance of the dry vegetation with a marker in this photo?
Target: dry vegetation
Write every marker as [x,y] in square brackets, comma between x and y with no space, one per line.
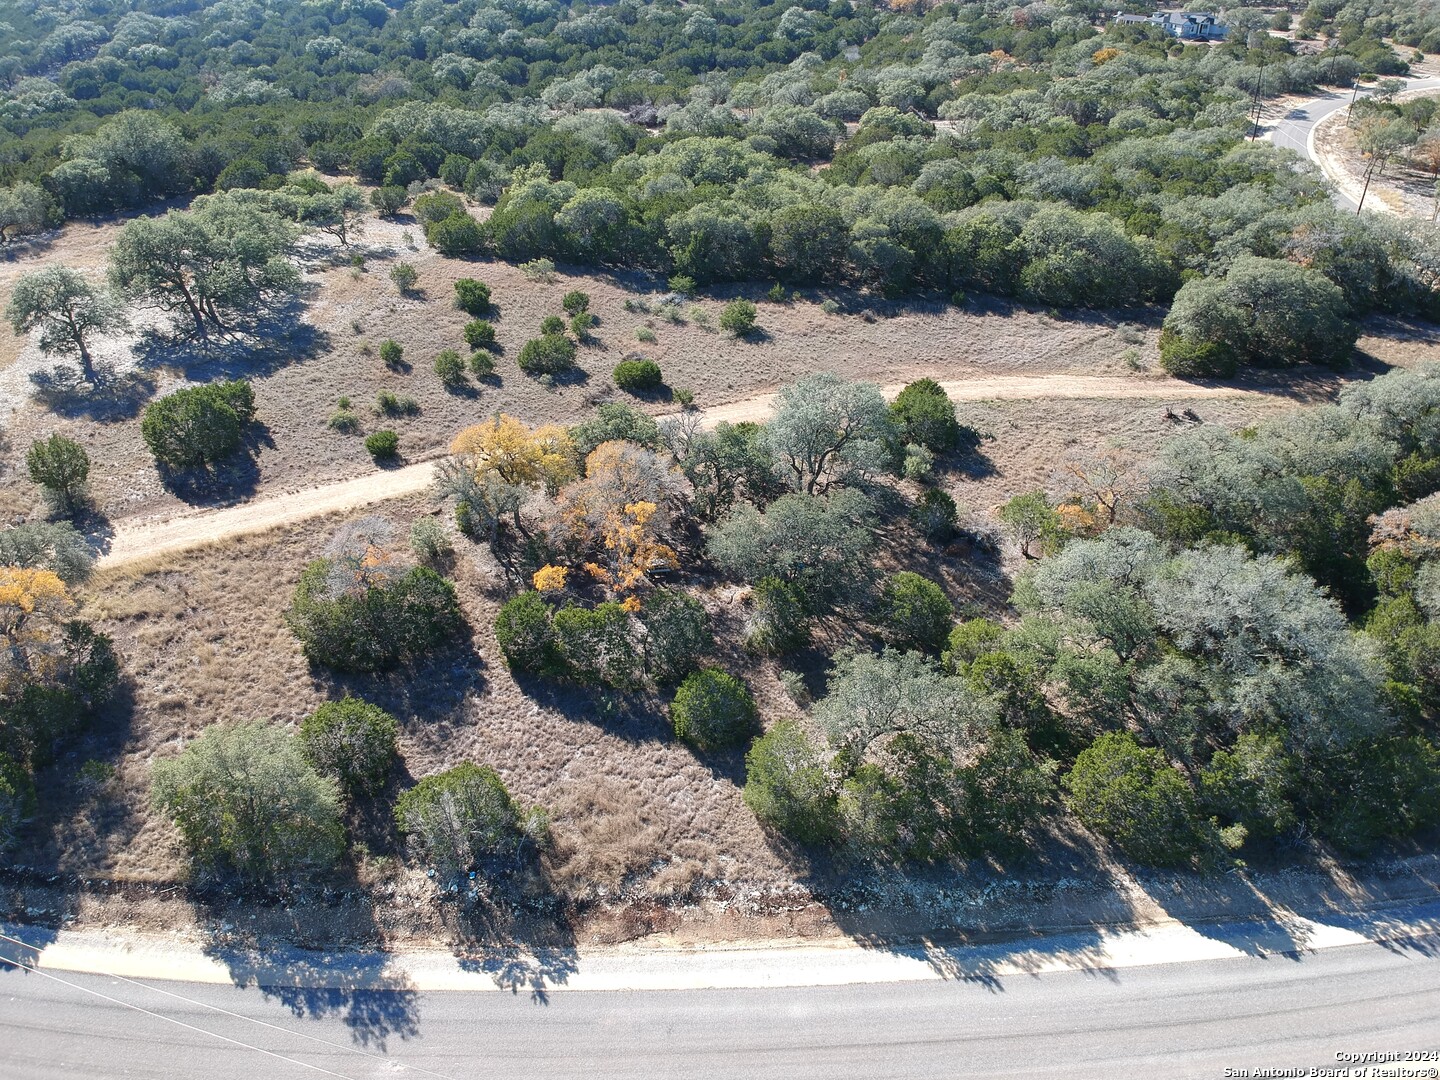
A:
[638,817]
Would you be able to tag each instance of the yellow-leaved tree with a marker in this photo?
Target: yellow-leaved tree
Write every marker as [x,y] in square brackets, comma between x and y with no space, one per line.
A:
[34,605]
[518,454]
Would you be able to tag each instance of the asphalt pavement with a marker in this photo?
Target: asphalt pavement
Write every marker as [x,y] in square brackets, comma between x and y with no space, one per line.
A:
[1173,1020]
[1293,130]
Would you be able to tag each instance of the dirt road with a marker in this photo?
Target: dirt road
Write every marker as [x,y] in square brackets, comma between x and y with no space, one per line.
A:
[144,539]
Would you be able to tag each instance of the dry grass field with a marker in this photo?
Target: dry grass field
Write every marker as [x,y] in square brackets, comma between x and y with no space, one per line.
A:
[642,825]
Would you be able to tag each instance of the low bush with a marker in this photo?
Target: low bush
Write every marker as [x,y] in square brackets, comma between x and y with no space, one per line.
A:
[636,376]
[458,818]
[935,516]
[596,645]
[351,741]
[738,317]
[428,540]
[356,625]
[479,334]
[482,364]
[787,785]
[391,354]
[525,634]
[553,354]
[677,634]
[382,445]
[472,297]
[1136,798]
[915,613]
[344,421]
[552,324]
[450,368]
[388,403]
[713,709]
[198,426]
[404,276]
[575,302]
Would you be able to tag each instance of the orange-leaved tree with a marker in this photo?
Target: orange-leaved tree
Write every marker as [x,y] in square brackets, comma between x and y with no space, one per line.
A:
[631,548]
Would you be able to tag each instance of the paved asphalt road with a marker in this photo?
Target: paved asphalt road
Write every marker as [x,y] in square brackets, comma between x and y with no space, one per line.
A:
[1293,130]
[1187,1020]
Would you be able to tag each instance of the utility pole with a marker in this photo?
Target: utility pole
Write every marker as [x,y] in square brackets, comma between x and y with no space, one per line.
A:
[1259,84]
[1354,93]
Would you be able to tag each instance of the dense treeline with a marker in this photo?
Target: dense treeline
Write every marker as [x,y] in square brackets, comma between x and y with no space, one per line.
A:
[1029,153]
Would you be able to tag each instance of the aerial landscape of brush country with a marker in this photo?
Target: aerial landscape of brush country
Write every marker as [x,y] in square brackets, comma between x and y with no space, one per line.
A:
[517,482]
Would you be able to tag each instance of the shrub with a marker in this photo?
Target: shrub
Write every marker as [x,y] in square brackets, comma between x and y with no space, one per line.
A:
[1005,793]
[970,640]
[450,368]
[1187,359]
[457,236]
[926,416]
[404,276]
[1136,798]
[776,295]
[351,741]
[1378,788]
[525,634]
[388,403]
[382,445]
[575,302]
[918,464]
[682,284]
[637,375]
[935,516]
[355,626]
[538,270]
[479,334]
[596,646]
[391,354]
[780,623]
[472,297]
[344,421]
[428,540]
[915,612]
[62,468]
[738,317]
[830,307]
[482,365]
[787,785]
[713,709]
[200,425]
[244,797]
[389,200]
[56,546]
[582,323]
[552,324]
[682,397]
[458,818]
[1252,784]
[646,335]
[17,798]
[677,634]
[552,354]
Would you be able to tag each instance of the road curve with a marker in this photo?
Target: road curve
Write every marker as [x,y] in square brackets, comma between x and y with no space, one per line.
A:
[133,541]
[1177,1020]
[1294,129]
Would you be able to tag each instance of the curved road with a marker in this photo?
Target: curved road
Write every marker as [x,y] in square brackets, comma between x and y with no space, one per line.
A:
[1174,1020]
[1293,130]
